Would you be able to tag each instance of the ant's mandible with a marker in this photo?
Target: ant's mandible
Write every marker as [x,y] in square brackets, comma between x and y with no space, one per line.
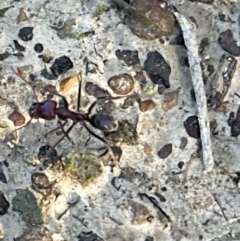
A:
[49,110]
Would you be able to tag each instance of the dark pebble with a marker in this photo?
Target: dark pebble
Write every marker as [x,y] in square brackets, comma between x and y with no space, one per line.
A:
[139,76]
[128,56]
[61,65]
[191,125]
[40,180]
[165,151]
[96,91]
[47,155]
[45,58]
[38,47]
[157,69]
[121,84]
[149,238]
[228,43]
[91,236]
[131,100]
[231,118]
[177,40]
[49,76]
[4,204]
[26,33]
[180,165]
[4,56]
[184,142]
[3,178]
[18,46]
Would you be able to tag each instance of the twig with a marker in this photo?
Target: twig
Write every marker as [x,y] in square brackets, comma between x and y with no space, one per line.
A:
[189,35]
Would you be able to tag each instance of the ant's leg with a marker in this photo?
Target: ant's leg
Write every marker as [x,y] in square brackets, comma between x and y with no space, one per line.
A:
[104,141]
[65,134]
[27,82]
[79,91]
[57,128]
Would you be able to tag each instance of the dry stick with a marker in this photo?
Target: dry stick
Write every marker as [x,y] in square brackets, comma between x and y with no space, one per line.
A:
[189,35]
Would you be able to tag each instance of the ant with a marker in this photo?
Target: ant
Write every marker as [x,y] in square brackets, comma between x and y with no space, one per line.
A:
[48,110]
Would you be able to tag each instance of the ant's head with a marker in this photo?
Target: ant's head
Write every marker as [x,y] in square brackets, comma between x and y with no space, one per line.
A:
[103,122]
[33,110]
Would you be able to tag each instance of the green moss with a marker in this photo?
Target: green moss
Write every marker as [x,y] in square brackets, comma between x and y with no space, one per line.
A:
[100,10]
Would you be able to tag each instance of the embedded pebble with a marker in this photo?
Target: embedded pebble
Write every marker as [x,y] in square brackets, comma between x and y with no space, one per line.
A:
[228,43]
[45,58]
[18,46]
[22,16]
[95,90]
[146,105]
[157,69]
[47,155]
[40,180]
[131,100]
[235,124]
[180,164]
[61,65]
[170,99]
[26,34]
[2,177]
[128,56]
[140,77]
[17,118]
[165,151]
[67,83]
[184,142]
[191,126]
[88,236]
[121,84]
[4,204]
[38,48]
[4,56]
[141,212]
[150,20]
[26,203]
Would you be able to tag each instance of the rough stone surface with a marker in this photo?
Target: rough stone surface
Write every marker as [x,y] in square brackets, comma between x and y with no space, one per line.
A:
[139,196]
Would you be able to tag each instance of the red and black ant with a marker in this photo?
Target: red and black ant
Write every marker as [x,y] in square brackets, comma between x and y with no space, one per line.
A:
[48,110]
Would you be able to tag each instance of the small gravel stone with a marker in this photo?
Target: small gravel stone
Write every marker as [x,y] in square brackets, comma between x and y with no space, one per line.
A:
[165,151]
[38,47]
[121,84]
[170,99]
[47,155]
[22,16]
[45,58]
[4,204]
[184,142]
[191,125]
[40,180]
[18,46]
[95,90]
[128,56]
[159,21]
[17,118]
[26,33]
[157,69]
[228,43]
[181,164]
[67,83]
[146,105]
[61,65]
